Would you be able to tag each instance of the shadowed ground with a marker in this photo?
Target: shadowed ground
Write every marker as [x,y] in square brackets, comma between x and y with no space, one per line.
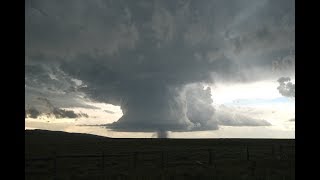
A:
[60,155]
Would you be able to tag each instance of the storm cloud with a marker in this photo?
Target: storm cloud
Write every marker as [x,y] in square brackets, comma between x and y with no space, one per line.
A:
[229,116]
[146,55]
[57,113]
[45,108]
[32,113]
[286,87]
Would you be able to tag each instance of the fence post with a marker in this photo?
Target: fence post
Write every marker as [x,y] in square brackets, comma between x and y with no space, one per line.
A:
[280,152]
[102,165]
[54,165]
[166,158]
[135,156]
[273,153]
[253,168]
[247,153]
[162,159]
[210,157]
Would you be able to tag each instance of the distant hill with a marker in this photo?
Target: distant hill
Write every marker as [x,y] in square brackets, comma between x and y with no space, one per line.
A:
[46,136]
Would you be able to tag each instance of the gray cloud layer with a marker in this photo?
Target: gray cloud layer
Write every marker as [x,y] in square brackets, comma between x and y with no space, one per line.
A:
[229,116]
[57,113]
[32,113]
[143,55]
[45,108]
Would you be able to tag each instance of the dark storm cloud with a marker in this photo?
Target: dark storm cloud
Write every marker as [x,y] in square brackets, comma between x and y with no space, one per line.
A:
[45,107]
[286,88]
[196,109]
[61,113]
[47,81]
[143,55]
[32,113]
[56,112]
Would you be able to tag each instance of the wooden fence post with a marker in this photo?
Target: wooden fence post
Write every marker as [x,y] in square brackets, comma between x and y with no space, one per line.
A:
[280,151]
[210,156]
[247,153]
[135,156]
[162,159]
[166,159]
[253,167]
[54,165]
[273,152]
[102,165]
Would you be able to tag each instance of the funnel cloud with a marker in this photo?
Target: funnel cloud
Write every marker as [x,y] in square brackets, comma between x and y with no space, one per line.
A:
[162,134]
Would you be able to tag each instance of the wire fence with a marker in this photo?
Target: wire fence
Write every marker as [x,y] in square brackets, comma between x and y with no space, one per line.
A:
[161,159]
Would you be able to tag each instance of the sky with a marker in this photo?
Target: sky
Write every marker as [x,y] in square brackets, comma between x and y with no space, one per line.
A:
[151,68]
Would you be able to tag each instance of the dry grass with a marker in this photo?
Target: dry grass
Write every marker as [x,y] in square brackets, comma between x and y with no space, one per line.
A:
[156,158]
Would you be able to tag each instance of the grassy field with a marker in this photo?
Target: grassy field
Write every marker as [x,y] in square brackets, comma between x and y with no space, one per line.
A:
[59,155]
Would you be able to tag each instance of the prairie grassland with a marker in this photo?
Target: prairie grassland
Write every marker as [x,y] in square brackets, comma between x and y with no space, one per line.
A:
[58,155]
